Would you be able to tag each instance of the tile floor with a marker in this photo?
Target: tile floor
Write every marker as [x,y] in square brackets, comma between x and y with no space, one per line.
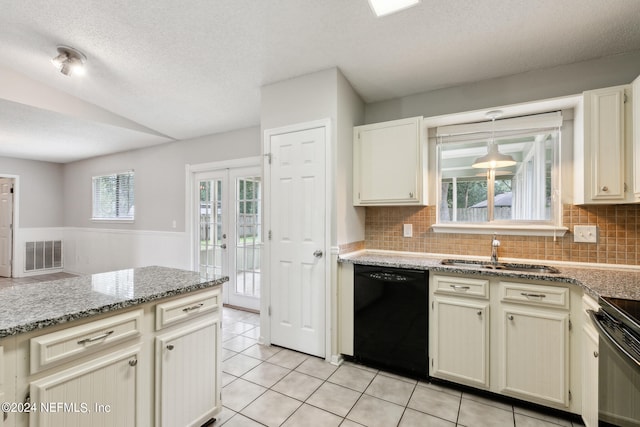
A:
[271,386]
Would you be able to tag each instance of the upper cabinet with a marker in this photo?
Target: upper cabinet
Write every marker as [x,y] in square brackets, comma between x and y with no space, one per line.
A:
[606,158]
[635,94]
[390,163]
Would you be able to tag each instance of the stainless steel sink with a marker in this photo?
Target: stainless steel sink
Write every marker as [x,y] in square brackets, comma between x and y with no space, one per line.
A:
[502,266]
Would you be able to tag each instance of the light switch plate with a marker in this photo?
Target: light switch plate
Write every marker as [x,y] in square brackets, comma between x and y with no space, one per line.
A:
[407,230]
[585,233]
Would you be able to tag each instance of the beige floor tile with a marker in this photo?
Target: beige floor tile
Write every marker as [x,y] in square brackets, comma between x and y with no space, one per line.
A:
[390,389]
[413,418]
[526,421]
[262,352]
[239,365]
[226,353]
[436,403]
[334,398]
[310,416]
[475,414]
[542,416]
[252,333]
[288,358]
[349,423]
[398,377]
[487,401]
[271,409]
[351,377]
[239,420]
[223,416]
[297,385]
[440,387]
[238,327]
[359,366]
[240,393]
[374,412]
[266,374]
[317,367]
[227,379]
[238,343]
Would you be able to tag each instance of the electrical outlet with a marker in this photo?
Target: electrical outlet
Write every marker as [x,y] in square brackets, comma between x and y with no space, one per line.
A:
[407,230]
[585,233]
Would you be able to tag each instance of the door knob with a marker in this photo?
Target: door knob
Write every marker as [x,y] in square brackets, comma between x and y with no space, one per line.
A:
[223,246]
[318,253]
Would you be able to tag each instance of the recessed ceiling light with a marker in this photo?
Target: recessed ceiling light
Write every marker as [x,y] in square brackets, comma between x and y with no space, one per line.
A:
[69,61]
[386,7]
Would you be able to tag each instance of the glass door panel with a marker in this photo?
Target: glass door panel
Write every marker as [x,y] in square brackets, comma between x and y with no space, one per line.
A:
[211,243]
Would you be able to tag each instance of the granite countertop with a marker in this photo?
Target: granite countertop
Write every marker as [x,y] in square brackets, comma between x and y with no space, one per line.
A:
[609,282]
[28,307]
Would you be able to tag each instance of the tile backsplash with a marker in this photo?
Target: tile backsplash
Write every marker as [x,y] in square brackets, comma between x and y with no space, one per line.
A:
[618,237]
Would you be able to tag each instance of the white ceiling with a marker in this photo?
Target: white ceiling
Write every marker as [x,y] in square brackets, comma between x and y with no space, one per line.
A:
[160,70]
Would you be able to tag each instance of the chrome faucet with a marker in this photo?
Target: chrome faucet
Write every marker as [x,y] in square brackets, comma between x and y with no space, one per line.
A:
[495,244]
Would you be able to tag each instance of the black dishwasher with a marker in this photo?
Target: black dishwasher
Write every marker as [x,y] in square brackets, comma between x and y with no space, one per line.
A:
[390,319]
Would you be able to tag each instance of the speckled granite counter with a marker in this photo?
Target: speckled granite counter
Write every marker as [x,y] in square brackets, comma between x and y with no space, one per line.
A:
[611,282]
[27,307]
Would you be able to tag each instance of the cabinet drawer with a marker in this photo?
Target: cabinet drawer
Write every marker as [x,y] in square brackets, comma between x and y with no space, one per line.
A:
[70,343]
[537,295]
[185,308]
[462,286]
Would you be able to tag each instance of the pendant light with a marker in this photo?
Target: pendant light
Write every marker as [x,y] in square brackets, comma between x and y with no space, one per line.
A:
[494,158]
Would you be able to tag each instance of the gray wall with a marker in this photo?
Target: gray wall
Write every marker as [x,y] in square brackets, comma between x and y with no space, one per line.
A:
[530,86]
[40,191]
[160,178]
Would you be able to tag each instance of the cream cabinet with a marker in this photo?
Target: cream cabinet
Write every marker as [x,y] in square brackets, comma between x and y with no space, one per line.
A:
[507,336]
[635,95]
[605,157]
[104,391]
[187,378]
[389,163]
[590,362]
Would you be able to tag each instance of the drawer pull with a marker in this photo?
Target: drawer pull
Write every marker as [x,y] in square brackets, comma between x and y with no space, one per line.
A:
[460,287]
[96,338]
[193,307]
[528,295]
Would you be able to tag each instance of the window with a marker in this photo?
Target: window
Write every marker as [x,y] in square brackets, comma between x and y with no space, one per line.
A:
[113,197]
[524,195]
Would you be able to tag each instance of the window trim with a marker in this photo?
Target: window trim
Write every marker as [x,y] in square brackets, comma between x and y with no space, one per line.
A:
[527,108]
[113,220]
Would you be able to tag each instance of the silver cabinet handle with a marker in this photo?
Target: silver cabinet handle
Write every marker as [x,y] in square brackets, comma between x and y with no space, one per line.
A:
[411,195]
[596,354]
[96,338]
[510,317]
[133,362]
[605,188]
[460,287]
[193,307]
[528,295]
[479,312]
[170,347]
[318,254]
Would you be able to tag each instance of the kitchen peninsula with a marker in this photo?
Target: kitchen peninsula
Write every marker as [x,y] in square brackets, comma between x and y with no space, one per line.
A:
[130,347]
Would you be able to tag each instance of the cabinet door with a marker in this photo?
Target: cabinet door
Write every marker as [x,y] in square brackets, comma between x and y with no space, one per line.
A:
[535,351]
[590,376]
[635,124]
[103,392]
[605,139]
[187,377]
[460,341]
[388,162]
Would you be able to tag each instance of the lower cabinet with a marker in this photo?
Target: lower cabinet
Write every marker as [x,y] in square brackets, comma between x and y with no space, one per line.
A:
[534,351]
[104,391]
[187,381]
[461,340]
[511,337]
[590,363]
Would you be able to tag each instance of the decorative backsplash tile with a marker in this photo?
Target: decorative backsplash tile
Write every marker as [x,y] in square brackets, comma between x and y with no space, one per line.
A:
[618,237]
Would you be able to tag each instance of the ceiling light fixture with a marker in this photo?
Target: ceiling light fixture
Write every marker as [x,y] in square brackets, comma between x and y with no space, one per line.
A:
[494,158]
[69,61]
[386,7]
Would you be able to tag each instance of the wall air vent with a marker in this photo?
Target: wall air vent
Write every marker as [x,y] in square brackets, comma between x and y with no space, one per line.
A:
[43,255]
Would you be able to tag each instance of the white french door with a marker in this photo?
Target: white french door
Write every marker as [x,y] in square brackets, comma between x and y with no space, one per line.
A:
[6,226]
[228,231]
[297,208]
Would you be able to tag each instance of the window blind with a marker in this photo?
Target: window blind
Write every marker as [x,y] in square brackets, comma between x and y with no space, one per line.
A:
[113,196]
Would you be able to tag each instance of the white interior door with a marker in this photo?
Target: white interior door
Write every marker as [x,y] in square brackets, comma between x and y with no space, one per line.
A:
[228,231]
[297,227]
[6,226]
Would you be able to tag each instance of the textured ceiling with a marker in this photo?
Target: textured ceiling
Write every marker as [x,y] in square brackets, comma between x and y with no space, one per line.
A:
[183,69]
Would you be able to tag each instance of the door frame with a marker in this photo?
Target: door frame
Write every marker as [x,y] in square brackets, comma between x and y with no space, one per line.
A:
[191,170]
[265,301]
[15,255]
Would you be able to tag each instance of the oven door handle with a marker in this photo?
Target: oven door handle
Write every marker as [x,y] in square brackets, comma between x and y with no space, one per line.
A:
[604,333]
